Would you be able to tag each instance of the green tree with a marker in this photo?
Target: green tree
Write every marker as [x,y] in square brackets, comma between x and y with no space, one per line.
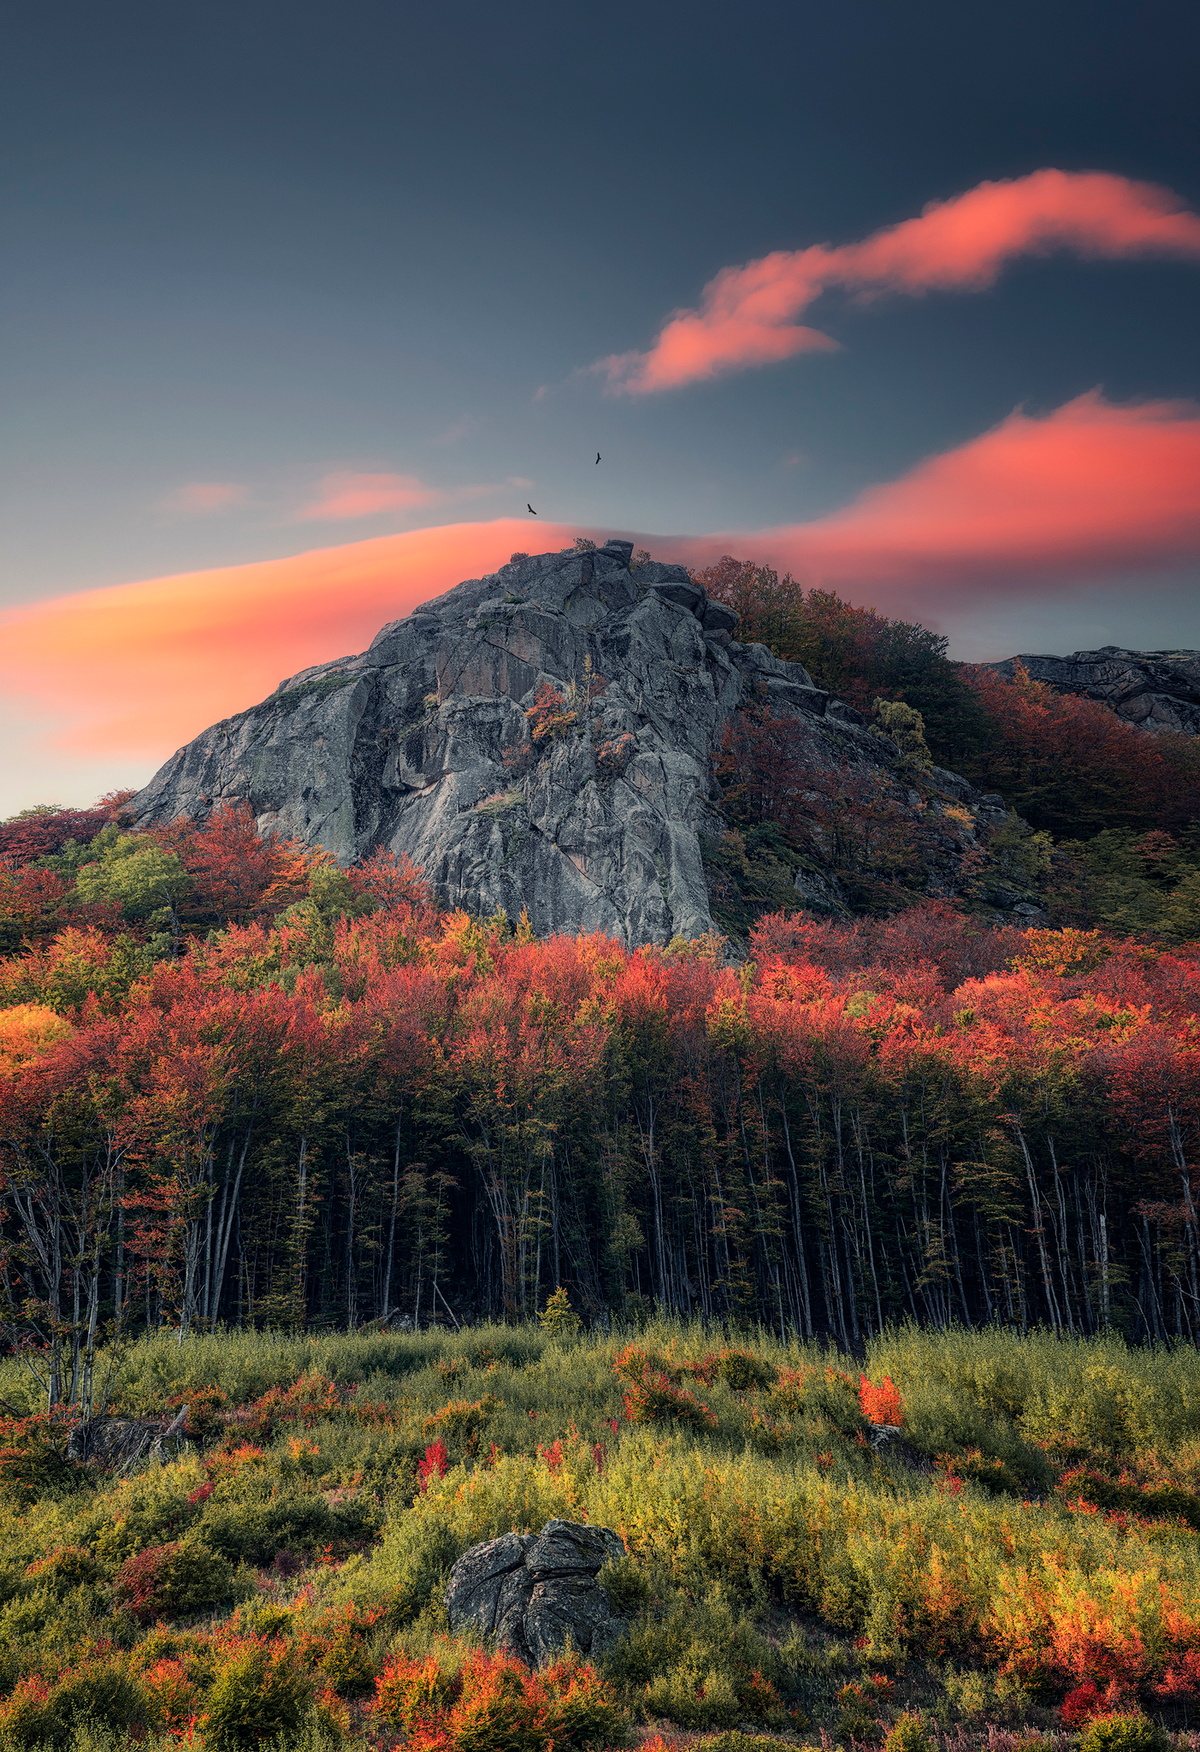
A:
[904,725]
[141,878]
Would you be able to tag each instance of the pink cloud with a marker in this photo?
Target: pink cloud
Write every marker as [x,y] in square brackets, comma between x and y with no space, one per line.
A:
[199,497]
[1039,505]
[1087,491]
[747,315]
[344,496]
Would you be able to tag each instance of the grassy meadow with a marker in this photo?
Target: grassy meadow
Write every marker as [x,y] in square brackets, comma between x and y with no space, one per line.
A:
[1019,1566]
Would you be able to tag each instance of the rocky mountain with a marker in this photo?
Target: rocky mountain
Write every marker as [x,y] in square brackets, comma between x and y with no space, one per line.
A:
[543,738]
[1157,690]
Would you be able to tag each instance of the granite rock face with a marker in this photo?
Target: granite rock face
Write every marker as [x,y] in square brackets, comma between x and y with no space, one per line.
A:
[534,1593]
[1156,690]
[590,811]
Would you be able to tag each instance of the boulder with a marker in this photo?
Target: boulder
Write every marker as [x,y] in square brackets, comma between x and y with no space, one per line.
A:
[535,1594]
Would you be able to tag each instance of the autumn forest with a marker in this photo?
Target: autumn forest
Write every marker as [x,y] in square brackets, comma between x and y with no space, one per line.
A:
[844,1262]
[243,1086]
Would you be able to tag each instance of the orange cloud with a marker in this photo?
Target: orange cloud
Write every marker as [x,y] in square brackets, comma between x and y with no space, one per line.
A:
[198,497]
[747,314]
[345,496]
[135,669]
[1090,492]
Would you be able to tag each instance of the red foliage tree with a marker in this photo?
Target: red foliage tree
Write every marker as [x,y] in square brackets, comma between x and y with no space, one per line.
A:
[40,832]
[1071,765]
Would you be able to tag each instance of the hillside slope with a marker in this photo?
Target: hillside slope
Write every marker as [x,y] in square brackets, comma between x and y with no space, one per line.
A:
[1156,690]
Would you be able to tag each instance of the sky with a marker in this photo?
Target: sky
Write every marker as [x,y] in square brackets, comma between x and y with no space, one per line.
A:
[302,305]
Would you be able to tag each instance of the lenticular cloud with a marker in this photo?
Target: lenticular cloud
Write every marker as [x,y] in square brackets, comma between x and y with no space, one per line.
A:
[748,315]
[1085,492]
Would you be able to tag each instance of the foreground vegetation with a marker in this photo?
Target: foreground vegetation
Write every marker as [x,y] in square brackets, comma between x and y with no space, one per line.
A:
[1024,1556]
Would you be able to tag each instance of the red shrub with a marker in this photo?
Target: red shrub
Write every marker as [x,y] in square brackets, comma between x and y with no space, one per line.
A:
[410,1692]
[172,1581]
[652,1393]
[495,1705]
[882,1404]
[435,1464]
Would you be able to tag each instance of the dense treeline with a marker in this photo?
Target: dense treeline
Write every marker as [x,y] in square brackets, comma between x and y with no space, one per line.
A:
[413,1115]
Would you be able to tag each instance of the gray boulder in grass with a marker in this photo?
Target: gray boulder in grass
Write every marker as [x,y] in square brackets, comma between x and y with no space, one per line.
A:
[535,1593]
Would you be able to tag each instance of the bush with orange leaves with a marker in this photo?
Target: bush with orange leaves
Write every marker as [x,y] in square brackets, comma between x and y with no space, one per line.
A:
[881,1404]
[27,1032]
[1101,1641]
[494,1704]
[313,1396]
[32,1455]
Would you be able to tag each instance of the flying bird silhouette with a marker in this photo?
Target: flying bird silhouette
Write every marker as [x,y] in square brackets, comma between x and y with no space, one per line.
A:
[530,509]
[597,456]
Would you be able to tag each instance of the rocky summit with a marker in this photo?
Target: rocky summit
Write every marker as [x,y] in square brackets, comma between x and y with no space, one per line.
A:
[1156,690]
[542,738]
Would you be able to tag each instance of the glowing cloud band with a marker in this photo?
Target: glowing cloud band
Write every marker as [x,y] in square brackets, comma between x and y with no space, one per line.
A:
[747,315]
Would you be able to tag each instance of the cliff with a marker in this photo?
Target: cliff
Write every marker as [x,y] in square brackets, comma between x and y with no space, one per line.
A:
[539,738]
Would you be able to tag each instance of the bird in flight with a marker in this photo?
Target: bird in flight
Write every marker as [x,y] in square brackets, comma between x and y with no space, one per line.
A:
[597,456]
[530,509]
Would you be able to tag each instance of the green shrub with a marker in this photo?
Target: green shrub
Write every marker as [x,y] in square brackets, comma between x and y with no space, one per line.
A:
[406,1572]
[735,1740]
[626,1585]
[258,1692]
[1123,1733]
[71,1566]
[700,1666]
[147,1512]
[44,1715]
[744,1369]
[907,1734]
[256,1533]
[173,1581]
[695,1696]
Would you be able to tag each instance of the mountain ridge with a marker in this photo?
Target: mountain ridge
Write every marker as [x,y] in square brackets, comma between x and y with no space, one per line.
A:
[1156,690]
[541,738]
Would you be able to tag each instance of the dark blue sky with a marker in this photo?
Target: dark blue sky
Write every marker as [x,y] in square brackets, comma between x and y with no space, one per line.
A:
[254,246]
